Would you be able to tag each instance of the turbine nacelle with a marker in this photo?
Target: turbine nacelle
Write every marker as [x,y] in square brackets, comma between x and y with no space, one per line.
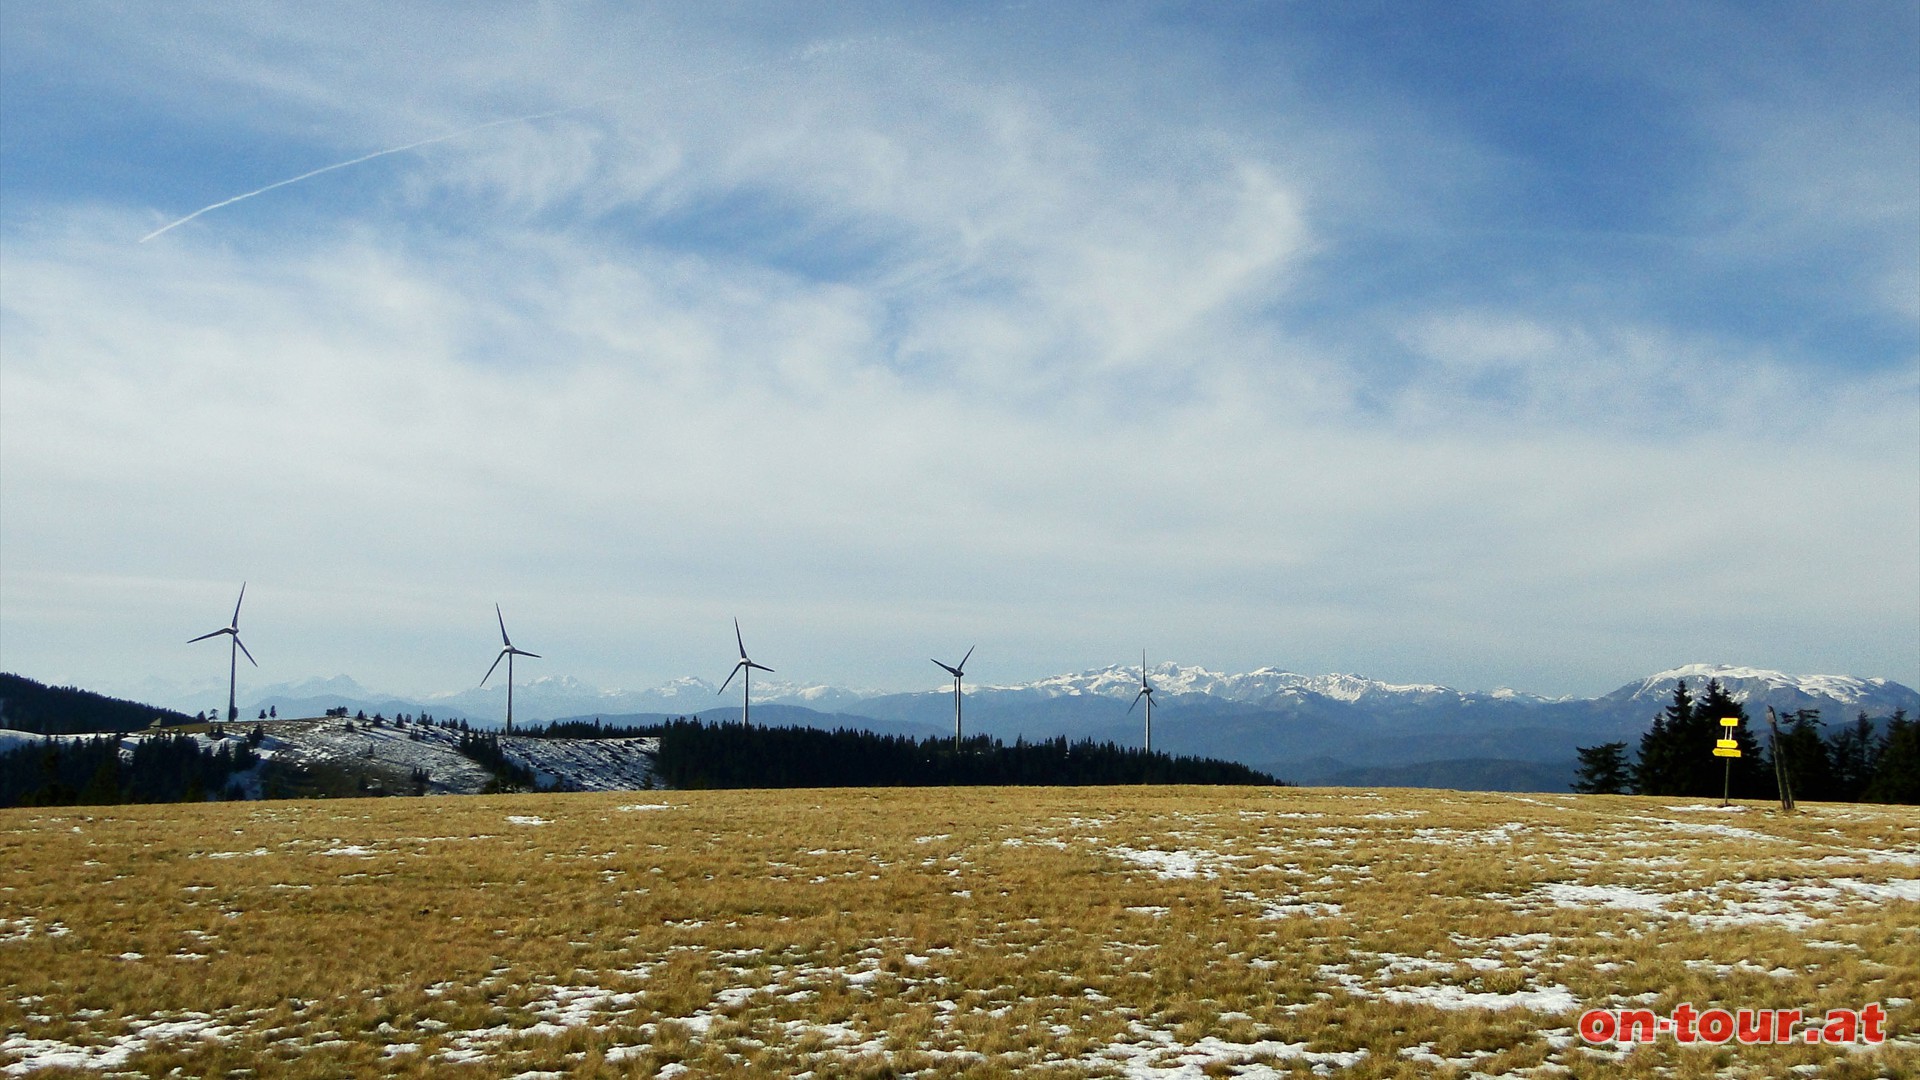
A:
[232,629]
[744,664]
[507,647]
[957,670]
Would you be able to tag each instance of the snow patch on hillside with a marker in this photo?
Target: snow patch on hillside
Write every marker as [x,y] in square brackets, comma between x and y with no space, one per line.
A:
[397,751]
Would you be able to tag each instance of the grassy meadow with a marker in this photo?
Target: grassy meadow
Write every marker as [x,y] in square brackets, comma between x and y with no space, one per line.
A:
[1139,932]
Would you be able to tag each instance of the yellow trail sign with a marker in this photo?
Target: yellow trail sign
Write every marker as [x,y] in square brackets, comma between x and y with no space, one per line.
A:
[1721,751]
[1729,721]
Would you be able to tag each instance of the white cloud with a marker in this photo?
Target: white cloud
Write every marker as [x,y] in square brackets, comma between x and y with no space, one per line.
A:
[869,351]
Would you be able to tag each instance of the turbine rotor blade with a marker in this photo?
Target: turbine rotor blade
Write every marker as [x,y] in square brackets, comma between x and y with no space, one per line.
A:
[730,675]
[953,671]
[962,665]
[236,606]
[738,640]
[1136,701]
[243,648]
[751,664]
[522,652]
[203,637]
[496,663]
[504,640]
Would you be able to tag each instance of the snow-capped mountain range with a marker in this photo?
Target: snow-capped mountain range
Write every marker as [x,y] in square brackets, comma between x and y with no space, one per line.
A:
[1334,728]
[1253,686]
[1747,684]
[556,696]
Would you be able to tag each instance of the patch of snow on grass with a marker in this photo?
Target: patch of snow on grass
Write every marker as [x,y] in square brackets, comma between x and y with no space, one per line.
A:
[1906,889]
[1158,1055]
[1723,830]
[1304,909]
[1613,896]
[1172,864]
[1553,999]
[1448,996]
[527,819]
[1498,834]
[1791,904]
[38,1054]
[25,927]
[562,1008]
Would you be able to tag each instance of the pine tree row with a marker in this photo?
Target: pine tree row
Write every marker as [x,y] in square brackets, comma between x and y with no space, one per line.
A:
[1865,761]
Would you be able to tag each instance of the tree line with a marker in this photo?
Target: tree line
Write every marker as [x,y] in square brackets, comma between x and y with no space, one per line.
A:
[1863,761]
[26,705]
[484,749]
[694,754]
[160,768]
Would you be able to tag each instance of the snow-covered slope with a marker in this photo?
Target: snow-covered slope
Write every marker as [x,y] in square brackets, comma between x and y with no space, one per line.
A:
[566,764]
[390,754]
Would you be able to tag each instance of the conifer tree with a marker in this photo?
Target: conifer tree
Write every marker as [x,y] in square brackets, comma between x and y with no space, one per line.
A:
[1853,754]
[1659,768]
[1603,769]
[1806,756]
[1896,775]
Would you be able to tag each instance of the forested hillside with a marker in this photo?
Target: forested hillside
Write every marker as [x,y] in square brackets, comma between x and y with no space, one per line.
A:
[26,705]
[697,755]
[101,771]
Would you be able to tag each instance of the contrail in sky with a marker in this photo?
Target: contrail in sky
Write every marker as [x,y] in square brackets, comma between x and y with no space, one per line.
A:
[806,53]
[367,157]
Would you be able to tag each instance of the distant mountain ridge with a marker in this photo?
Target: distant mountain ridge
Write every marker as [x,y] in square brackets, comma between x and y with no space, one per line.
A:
[1298,726]
[1745,684]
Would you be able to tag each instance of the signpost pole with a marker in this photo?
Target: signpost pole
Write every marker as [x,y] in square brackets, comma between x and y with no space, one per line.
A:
[1727,746]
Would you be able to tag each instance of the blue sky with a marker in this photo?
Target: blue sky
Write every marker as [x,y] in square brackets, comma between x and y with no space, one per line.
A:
[1483,344]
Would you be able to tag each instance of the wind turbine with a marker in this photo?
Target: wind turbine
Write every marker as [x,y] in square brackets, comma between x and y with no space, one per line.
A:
[507,653]
[1146,691]
[232,630]
[746,683]
[957,670]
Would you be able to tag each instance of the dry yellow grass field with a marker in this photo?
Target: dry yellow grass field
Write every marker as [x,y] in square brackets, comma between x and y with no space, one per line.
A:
[1152,932]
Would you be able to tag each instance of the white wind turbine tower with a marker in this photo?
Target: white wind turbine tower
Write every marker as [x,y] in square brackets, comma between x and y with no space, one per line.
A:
[957,670]
[746,684]
[507,653]
[1146,691]
[232,630]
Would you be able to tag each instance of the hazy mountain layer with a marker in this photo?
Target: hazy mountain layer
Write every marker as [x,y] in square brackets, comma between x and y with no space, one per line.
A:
[1320,727]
